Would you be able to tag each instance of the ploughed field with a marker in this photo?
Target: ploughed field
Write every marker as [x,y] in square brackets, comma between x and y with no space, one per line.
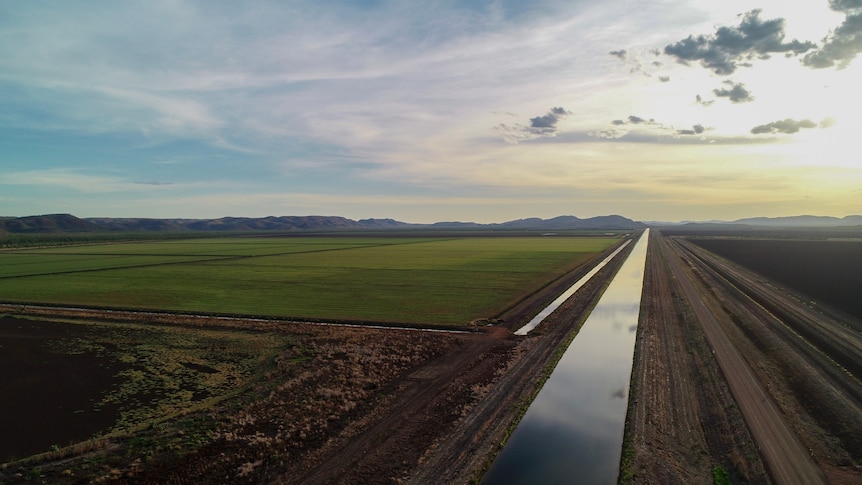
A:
[829,271]
[448,281]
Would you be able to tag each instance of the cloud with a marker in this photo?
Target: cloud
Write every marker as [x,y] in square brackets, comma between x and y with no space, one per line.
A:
[737,93]
[611,134]
[695,130]
[540,126]
[548,121]
[70,179]
[787,126]
[620,54]
[731,47]
[656,130]
[636,120]
[842,45]
[699,100]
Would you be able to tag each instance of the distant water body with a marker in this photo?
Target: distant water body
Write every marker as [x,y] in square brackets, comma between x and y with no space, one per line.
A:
[573,431]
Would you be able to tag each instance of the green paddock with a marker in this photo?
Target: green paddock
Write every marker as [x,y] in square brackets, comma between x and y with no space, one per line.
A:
[399,279]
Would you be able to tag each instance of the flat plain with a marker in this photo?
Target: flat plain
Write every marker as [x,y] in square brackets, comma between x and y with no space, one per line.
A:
[442,281]
[335,404]
[247,399]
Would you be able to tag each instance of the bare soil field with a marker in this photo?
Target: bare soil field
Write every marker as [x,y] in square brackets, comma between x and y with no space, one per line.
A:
[828,271]
[339,404]
[693,412]
[683,421]
[56,386]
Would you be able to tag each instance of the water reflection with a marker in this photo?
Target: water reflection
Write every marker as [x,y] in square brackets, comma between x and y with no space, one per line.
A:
[567,294]
[573,430]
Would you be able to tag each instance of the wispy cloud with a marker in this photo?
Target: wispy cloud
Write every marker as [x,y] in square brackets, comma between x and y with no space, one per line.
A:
[787,126]
[66,179]
[391,98]
[540,126]
[703,102]
[619,54]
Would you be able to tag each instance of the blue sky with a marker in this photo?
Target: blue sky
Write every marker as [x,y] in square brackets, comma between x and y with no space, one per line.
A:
[424,112]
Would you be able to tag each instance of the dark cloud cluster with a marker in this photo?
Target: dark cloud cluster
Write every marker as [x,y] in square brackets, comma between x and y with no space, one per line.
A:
[695,130]
[787,126]
[844,43]
[736,93]
[634,120]
[620,54]
[540,126]
[548,123]
[732,47]
[637,120]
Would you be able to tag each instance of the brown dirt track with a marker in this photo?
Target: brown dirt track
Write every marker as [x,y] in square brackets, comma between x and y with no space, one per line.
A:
[696,303]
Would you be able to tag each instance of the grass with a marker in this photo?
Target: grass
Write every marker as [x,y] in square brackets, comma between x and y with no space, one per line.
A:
[169,367]
[720,476]
[154,373]
[415,280]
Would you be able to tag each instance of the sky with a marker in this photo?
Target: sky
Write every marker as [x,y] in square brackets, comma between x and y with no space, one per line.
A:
[483,111]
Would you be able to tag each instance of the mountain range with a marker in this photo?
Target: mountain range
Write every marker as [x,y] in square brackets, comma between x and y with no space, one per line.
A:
[60,223]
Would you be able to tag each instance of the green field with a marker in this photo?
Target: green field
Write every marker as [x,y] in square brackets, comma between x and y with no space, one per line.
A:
[386,279]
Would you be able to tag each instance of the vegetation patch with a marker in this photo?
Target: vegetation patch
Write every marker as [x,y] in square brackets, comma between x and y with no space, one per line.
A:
[211,405]
[449,281]
[72,381]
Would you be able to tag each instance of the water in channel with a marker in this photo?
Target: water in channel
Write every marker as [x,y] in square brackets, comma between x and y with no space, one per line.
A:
[532,324]
[572,433]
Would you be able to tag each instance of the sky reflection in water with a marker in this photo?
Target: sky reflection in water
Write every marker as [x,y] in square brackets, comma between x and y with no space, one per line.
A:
[573,430]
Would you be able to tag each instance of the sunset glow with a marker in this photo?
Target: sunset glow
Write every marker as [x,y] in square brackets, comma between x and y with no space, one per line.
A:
[476,111]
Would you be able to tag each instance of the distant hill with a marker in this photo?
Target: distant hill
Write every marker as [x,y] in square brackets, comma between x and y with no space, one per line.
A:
[47,224]
[572,222]
[67,223]
[791,222]
[271,223]
[59,223]
[802,221]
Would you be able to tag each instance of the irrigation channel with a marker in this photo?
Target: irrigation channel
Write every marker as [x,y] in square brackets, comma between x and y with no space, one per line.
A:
[573,430]
[567,294]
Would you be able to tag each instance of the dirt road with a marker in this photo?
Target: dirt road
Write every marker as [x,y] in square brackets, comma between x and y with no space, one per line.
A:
[682,420]
[786,459]
[779,362]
